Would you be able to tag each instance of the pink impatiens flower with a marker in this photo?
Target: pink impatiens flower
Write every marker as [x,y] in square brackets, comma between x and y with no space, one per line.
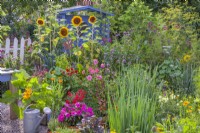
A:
[89,77]
[95,61]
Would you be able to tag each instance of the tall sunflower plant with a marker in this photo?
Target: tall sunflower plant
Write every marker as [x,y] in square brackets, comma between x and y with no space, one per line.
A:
[49,35]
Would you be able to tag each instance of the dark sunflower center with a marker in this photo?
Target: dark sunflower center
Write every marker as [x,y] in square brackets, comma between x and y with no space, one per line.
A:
[63,32]
[92,19]
[40,22]
[77,20]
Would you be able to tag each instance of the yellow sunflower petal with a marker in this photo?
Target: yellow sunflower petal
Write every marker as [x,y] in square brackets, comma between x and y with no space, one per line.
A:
[63,32]
[40,22]
[92,19]
[77,21]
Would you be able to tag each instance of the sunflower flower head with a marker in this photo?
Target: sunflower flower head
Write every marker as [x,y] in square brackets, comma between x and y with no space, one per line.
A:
[92,19]
[77,21]
[63,32]
[40,22]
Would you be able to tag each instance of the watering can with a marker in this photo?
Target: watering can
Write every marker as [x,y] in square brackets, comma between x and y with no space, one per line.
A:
[32,119]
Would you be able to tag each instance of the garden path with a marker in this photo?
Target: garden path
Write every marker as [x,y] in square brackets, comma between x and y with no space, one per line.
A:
[12,126]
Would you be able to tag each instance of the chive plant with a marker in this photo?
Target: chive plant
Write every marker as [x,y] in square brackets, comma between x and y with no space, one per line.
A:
[132,106]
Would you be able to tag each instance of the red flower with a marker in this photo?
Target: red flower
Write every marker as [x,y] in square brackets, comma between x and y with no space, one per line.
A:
[77,97]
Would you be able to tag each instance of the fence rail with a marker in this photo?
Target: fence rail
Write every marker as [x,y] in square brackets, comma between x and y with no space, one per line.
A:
[12,49]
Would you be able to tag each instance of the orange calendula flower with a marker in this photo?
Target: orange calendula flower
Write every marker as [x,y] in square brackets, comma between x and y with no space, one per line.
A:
[92,19]
[60,80]
[27,93]
[185,103]
[76,21]
[63,32]
[40,22]
[52,79]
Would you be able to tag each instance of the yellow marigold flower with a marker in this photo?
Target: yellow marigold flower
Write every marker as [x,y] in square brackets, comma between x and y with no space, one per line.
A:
[185,103]
[63,32]
[189,107]
[186,58]
[76,21]
[92,19]
[40,22]
[78,53]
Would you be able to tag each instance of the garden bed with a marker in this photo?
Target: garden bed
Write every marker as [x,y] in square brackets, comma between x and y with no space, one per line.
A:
[12,126]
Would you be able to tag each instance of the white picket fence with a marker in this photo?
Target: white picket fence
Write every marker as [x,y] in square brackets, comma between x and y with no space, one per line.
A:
[17,46]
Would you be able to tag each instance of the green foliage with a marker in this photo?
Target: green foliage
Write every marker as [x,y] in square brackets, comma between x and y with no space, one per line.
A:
[171,72]
[127,107]
[3,28]
[197,81]
[181,32]
[62,61]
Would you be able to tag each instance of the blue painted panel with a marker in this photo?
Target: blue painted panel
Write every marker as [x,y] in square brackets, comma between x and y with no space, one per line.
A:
[5,78]
[102,30]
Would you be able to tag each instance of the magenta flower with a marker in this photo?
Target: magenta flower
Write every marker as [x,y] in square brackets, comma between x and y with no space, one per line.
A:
[73,113]
[95,61]
[99,77]
[102,65]
[67,115]
[78,105]
[89,77]
[61,118]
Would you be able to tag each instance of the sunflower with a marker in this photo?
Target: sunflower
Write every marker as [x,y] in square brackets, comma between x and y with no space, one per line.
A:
[76,21]
[186,58]
[92,19]
[63,32]
[40,22]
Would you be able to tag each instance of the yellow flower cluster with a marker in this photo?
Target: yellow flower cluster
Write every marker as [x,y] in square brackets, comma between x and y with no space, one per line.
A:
[27,93]
[186,58]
